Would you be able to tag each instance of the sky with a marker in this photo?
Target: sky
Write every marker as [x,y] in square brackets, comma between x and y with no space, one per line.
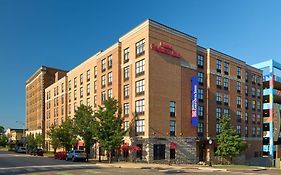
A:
[64,33]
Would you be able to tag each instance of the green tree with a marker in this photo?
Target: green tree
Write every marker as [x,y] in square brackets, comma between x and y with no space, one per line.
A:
[85,126]
[3,140]
[110,132]
[2,130]
[38,139]
[66,134]
[229,142]
[54,136]
[31,143]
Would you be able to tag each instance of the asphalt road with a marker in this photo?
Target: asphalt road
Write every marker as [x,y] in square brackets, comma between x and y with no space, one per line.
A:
[13,163]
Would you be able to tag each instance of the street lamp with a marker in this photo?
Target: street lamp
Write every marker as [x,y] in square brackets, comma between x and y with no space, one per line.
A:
[210,143]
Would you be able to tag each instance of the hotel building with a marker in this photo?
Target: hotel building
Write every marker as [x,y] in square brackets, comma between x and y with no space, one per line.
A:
[35,97]
[172,92]
[271,107]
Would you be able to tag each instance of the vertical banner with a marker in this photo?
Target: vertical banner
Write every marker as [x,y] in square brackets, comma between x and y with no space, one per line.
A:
[194,103]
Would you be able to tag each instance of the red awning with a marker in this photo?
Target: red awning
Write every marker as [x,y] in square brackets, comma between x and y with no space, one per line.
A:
[126,146]
[135,148]
[173,145]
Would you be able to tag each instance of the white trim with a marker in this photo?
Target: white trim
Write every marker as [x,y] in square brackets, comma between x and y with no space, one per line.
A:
[33,79]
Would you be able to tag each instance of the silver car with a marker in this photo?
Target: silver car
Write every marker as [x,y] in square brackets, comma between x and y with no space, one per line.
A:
[76,155]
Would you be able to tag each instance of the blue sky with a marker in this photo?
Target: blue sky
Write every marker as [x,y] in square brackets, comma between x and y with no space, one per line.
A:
[63,33]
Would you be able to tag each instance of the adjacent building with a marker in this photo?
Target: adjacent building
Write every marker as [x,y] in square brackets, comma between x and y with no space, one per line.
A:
[271,107]
[35,97]
[172,92]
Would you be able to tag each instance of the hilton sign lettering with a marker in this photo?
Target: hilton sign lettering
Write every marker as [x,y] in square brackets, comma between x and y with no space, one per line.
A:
[166,49]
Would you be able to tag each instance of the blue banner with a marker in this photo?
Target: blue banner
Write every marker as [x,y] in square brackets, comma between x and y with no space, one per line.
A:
[194,104]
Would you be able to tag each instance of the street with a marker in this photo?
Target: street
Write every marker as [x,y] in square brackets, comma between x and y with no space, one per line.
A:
[14,163]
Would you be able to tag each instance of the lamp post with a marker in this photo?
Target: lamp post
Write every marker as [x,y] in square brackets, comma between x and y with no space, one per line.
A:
[210,143]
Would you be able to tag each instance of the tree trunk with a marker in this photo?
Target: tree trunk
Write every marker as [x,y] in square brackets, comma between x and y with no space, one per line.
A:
[109,157]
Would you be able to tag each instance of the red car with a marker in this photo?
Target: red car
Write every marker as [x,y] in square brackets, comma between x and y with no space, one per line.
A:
[60,155]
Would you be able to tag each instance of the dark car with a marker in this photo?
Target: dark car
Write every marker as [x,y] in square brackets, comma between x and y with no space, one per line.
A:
[76,155]
[60,155]
[37,152]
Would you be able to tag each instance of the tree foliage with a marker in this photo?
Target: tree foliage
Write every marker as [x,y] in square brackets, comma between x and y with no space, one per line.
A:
[55,137]
[3,140]
[2,130]
[31,143]
[67,135]
[229,142]
[85,125]
[110,133]
[38,139]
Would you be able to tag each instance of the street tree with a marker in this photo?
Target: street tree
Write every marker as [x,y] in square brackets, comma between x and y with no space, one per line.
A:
[67,135]
[110,131]
[85,126]
[3,140]
[38,139]
[229,142]
[31,143]
[2,130]
[54,136]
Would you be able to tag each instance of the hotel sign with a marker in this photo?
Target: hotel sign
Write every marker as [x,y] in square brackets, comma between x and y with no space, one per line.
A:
[166,49]
[194,103]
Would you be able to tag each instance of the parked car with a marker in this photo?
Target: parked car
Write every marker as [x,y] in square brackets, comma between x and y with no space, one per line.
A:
[76,155]
[21,150]
[37,152]
[60,155]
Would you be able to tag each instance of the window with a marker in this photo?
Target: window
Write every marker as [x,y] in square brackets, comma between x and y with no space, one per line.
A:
[140,127]
[258,119]
[238,129]
[253,118]
[69,109]
[88,75]
[140,87]
[226,99]
[253,131]
[226,68]
[218,65]
[246,131]
[126,109]
[62,87]
[200,129]
[69,97]
[258,131]
[75,94]
[81,102]
[103,81]
[218,113]
[109,78]
[200,61]
[258,80]
[81,92]
[253,105]
[218,128]
[95,71]
[238,116]
[200,78]
[109,93]
[172,108]
[88,89]
[88,102]
[238,101]
[140,68]
[140,107]
[109,64]
[218,97]
[246,118]
[258,105]
[126,55]
[225,83]
[201,112]
[258,92]
[226,112]
[172,127]
[95,101]
[253,92]
[62,99]
[140,48]
[218,81]
[238,71]
[126,73]
[75,82]
[246,76]
[246,104]
[81,79]
[95,86]
[253,79]
[246,90]
[126,125]
[75,107]
[238,86]
[103,96]
[200,94]
[103,65]
[126,91]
